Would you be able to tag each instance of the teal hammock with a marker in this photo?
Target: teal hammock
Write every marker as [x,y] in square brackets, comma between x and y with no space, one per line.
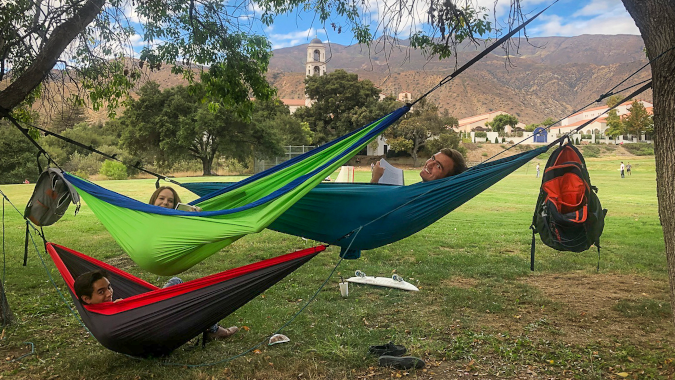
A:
[357,216]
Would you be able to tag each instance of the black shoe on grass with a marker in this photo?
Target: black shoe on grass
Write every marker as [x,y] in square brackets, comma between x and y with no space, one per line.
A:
[398,362]
[387,349]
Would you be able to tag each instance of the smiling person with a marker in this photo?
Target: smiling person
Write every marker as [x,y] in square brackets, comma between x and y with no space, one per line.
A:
[93,287]
[446,163]
[167,197]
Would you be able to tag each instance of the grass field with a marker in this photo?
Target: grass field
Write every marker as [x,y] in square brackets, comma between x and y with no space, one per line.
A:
[480,312]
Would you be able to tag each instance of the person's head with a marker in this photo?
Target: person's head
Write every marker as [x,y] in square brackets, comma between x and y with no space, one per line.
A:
[165,196]
[446,163]
[93,287]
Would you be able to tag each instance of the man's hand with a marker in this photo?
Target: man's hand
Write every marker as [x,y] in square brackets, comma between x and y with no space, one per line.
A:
[378,171]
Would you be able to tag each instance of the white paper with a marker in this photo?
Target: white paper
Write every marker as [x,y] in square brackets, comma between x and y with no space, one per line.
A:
[392,175]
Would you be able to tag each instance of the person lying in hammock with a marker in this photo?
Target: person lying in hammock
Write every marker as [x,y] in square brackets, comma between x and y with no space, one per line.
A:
[94,287]
[446,163]
[167,197]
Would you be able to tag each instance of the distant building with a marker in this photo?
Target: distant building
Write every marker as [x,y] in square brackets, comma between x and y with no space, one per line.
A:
[316,62]
[598,126]
[469,124]
[405,97]
[293,104]
[314,65]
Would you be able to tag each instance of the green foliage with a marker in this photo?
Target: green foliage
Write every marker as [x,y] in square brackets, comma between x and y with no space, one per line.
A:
[531,127]
[273,117]
[481,134]
[638,120]
[114,170]
[497,140]
[69,116]
[548,122]
[615,125]
[207,37]
[590,151]
[449,20]
[640,149]
[89,164]
[613,100]
[18,156]
[93,136]
[174,125]
[342,104]
[501,121]
[423,128]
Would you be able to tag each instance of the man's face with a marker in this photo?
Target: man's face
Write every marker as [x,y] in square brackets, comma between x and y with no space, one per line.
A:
[102,292]
[436,167]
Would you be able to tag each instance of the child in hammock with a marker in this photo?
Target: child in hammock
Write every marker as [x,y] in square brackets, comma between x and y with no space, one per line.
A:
[94,287]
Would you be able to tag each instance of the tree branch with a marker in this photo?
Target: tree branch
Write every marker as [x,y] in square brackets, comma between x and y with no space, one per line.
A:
[63,35]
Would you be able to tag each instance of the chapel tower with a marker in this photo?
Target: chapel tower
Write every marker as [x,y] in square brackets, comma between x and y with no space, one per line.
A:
[316,62]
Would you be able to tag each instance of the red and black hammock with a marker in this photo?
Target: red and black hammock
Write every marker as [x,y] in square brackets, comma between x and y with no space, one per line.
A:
[150,321]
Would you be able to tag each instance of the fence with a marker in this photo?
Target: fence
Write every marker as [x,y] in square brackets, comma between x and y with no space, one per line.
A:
[291,152]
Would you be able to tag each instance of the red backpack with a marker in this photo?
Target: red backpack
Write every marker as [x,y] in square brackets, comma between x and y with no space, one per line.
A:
[568,215]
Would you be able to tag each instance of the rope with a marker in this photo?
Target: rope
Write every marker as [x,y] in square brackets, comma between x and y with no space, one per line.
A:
[600,98]
[79,144]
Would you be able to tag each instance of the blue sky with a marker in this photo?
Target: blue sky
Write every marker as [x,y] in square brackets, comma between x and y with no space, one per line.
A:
[565,18]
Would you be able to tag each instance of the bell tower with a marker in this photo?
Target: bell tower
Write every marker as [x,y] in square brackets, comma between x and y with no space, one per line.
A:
[316,62]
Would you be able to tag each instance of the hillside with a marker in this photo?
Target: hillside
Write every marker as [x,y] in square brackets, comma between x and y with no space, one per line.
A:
[549,76]
[543,77]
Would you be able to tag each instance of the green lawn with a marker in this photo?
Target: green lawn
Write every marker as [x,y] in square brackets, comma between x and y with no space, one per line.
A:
[480,309]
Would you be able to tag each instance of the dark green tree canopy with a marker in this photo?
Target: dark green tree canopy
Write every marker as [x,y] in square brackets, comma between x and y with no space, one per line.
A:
[168,126]
[341,104]
[501,121]
[423,127]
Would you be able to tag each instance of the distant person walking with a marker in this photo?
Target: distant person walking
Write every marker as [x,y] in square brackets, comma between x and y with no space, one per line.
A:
[537,170]
[628,168]
[622,167]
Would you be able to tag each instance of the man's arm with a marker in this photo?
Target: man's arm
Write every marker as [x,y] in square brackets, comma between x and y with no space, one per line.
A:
[378,171]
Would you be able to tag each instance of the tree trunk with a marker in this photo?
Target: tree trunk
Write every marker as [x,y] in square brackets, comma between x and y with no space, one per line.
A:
[62,36]
[206,166]
[6,316]
[655,19]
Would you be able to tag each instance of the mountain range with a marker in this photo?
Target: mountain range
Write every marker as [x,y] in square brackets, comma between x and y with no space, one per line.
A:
[541,77]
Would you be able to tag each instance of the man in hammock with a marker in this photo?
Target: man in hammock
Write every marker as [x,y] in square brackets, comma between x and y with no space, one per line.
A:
[446,163]
[94,287]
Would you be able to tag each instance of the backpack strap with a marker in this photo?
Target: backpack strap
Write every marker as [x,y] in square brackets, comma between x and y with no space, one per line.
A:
[534,231]
[25,246]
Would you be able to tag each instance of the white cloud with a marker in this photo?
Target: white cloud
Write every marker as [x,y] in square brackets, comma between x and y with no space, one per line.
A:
[294,38]
[603,24]
[599,7]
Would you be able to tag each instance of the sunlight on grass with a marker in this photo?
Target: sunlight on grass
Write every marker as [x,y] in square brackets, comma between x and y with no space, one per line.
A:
[477,306]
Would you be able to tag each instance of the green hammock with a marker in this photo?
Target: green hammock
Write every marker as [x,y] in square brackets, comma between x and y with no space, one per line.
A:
[166,241]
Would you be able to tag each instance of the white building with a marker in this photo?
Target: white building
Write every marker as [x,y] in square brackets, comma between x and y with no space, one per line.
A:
[598,126]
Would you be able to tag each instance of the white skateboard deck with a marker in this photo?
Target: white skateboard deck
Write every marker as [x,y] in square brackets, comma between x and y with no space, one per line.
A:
[383,281]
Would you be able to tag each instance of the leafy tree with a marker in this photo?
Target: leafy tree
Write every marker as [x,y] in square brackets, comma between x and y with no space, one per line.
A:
[18,156]
[338,98]
[274,117]
[548,122]
[638,121]
[531,127]
[69,116]
[173,125]
[422,124]
[613,100]
[615,126]
[501,121]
